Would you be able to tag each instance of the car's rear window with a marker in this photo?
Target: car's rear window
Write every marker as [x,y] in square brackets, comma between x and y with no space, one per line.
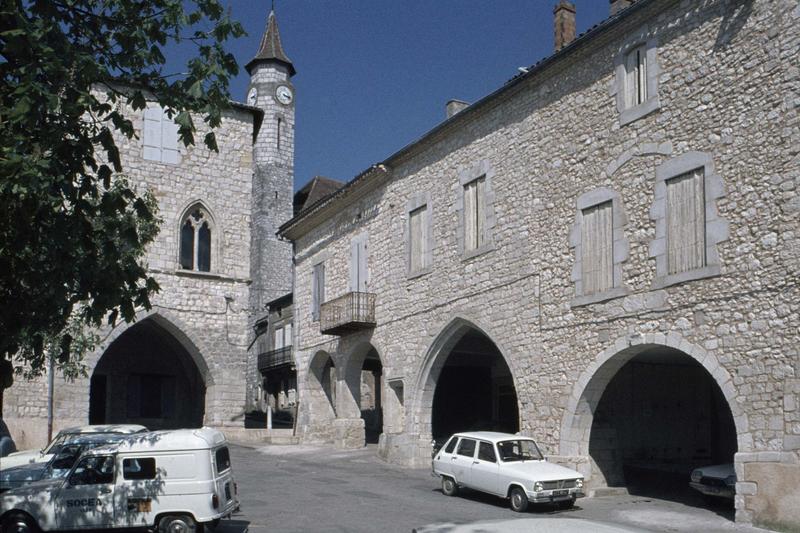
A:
[466,448]
[223,459]
[139,468]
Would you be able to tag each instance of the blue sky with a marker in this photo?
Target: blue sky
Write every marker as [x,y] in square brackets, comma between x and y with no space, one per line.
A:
[374,75]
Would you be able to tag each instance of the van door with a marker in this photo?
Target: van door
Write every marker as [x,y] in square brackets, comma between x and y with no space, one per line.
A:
[85,500]
[137,487]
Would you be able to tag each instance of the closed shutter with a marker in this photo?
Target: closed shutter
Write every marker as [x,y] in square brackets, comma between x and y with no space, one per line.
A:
[169,142]
[597,248]
[317,289]
[480,212]
[287,335]
[470,220]
[151,137]
[686,222]
[641,75]
[417,235]
[277,343]
[358,264]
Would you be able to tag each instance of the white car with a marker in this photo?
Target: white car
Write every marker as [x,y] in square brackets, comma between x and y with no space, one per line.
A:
[509,466]
[715,480]
[64,437]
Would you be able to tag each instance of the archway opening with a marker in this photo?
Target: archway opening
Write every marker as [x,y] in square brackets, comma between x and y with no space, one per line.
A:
[322,384]
[371,401]
[474,390]
[660,416]
[147,377]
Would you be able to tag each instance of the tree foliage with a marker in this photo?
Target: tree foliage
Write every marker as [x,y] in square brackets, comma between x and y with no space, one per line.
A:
[72,229]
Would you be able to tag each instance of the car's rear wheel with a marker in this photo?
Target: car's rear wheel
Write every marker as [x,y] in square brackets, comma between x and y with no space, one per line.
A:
[449,486]
[519,500]
[19,523]
[177,524]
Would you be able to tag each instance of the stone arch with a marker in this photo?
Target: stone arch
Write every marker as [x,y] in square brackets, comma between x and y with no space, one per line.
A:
[321,384]
[431,368]
[576,423]
[639,150]
[172,324]
[362,369]
[215,227]
[151,372]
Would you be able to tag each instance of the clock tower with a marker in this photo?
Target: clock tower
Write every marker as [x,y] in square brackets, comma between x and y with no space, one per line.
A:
[271,91]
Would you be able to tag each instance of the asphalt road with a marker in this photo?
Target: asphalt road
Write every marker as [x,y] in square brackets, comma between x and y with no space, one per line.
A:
[319,489]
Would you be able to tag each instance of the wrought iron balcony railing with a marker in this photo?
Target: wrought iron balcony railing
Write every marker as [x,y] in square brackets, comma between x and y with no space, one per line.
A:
[347,313]
[279,357]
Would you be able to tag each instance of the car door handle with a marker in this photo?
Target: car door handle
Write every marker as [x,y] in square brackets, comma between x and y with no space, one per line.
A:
[105,491]
[474,462]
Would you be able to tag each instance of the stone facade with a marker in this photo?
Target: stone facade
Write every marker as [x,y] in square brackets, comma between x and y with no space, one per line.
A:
[727,95]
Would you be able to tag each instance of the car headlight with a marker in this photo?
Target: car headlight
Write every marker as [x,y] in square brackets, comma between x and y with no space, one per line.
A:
[697,475]
[579,483]
[538,487]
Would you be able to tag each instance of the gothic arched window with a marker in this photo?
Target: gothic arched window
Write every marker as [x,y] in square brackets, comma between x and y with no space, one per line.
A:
[196,230]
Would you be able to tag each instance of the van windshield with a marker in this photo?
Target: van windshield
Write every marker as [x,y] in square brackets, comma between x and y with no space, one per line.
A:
[223,459]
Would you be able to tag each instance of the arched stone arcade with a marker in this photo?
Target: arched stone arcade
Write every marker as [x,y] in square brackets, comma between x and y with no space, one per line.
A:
[648,410]
[151,373]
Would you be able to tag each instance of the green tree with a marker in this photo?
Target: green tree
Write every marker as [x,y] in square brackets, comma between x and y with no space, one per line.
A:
[72,229]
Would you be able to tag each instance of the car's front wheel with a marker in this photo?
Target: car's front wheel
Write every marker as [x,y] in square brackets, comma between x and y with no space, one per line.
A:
[519,500]
[18,523]
[449,486]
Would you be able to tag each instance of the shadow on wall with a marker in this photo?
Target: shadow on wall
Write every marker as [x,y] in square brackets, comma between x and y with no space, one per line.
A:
[732,23]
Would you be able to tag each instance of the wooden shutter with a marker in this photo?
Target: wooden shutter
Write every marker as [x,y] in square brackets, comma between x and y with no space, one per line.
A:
[417,237]
[317,289]
[686,222]
[169,140]
[470,222]
[358,264]
[287,335]
[151,136]
[641,75]
[480,212]
[597,248]
[277,342]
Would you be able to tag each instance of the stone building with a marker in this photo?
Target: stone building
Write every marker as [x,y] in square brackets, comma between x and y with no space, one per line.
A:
[602,254]
[187,361]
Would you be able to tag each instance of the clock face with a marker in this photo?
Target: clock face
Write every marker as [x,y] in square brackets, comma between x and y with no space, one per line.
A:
[252,96]
[284,94]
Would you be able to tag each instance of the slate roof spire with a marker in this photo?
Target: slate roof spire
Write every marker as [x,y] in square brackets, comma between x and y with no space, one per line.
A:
[271,48]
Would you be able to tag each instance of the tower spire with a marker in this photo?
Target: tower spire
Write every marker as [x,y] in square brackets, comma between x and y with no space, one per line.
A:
[271,48]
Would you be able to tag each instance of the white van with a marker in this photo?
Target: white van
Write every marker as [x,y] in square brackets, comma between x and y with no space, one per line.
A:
[174,480]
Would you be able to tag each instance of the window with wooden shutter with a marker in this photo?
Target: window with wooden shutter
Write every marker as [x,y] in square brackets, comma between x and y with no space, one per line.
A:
[418,223]
[160,137]
[597,245]
[686,228]
[358,264]
[287,334]
[317,289]
[636,77]
[277,342]
[474,214]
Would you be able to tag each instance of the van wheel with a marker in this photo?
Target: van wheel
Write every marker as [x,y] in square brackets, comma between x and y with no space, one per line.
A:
[19,523]
[519,500]
[449,486]
[177,524]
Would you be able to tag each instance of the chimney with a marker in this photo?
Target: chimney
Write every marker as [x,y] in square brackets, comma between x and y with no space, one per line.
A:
[564,23]
[456,106]
[619,5]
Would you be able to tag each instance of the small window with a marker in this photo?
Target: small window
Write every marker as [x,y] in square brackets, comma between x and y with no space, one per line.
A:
[451,445]
[466,448]
[223,459]
[597,241]
[636,77]
[139,468]
[278,339]
[474,214]
[486,452]
[93,470]
[195,246]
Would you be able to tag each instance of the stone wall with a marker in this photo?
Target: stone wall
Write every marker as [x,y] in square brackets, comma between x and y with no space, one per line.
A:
[728,92]
[206,312]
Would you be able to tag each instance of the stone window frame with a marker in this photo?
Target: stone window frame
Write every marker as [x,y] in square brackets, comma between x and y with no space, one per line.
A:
[618,88]
[716,227]
[621,246]
[482,169]
[216,241]
[417,201]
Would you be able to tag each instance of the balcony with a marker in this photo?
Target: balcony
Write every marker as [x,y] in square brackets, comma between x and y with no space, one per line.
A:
[351,312]
[275,358]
